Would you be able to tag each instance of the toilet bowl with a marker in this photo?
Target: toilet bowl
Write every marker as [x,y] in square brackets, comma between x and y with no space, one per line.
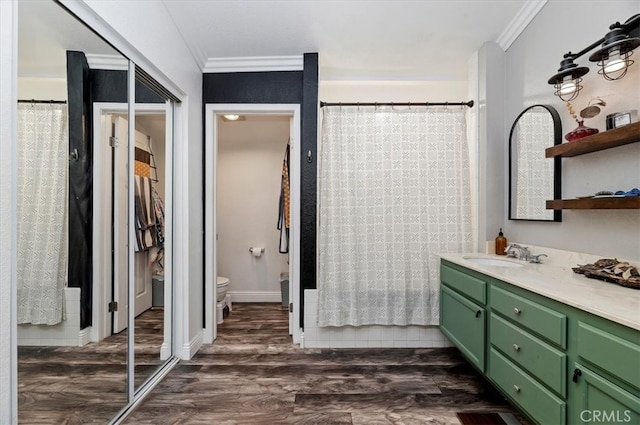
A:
[221,285]
[222,298]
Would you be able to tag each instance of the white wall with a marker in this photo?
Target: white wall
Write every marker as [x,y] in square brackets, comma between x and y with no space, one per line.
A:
[145,32]
[491,143]
[392,91]
[42,88]
[250,155]
[8,115]
[530,61]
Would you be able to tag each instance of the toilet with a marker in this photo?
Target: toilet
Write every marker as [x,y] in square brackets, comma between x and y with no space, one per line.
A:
[222,298]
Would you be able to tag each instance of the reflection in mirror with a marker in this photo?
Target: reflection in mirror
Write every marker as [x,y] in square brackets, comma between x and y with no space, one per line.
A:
[152,256]
[534,179]
[71,364]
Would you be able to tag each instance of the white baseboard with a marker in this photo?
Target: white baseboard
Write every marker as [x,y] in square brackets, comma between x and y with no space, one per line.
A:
[165,351]
[255,296]
[190,348]
[84,336]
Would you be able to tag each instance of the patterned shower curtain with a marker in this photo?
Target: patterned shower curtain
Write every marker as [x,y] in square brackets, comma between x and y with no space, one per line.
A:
[394,191]
[42,212]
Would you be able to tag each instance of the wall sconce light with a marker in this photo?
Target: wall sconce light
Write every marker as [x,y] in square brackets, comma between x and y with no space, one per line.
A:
[612,57]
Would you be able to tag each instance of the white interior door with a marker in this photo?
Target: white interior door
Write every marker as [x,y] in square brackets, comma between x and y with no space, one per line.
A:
[143,278]
[120,225]
[292,259]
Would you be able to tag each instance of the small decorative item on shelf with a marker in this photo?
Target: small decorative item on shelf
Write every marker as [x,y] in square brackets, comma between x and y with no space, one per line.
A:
[579,132]
[620,119]
[592,109]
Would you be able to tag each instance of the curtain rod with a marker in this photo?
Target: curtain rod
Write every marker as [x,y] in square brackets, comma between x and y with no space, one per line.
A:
[469,104]
[40,101]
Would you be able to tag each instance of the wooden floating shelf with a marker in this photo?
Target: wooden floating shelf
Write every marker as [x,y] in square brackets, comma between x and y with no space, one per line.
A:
[631,203]
[607,139]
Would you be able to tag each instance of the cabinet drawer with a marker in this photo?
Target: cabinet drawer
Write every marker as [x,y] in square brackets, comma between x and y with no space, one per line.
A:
[541,360]
[470,286]
[547,323]
[537,401]
[463,322]
[617,356]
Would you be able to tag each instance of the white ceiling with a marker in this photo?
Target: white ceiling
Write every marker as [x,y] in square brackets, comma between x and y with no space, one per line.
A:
[355,39]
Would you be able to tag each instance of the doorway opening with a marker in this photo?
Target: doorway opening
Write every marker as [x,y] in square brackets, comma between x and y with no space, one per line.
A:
[243,183]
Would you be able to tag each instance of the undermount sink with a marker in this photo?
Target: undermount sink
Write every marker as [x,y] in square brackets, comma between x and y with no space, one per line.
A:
[493,262]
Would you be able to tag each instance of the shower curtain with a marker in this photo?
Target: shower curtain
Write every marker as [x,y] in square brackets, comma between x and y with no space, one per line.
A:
[42,164]
[394,191]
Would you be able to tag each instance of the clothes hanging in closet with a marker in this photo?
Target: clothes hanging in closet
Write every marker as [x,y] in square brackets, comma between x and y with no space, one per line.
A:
[283,215]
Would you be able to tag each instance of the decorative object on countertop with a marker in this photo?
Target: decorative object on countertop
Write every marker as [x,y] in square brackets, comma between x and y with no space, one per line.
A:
[501,243]
[620,119]
[611,270]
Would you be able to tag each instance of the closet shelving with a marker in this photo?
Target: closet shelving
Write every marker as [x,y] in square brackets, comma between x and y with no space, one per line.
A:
[597,142]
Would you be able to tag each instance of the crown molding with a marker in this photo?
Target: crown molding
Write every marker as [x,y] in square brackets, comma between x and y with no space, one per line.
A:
[254,64]
[110,62]
[519,22]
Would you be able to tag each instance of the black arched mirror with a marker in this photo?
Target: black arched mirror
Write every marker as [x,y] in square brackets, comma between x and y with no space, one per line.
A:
[534,179]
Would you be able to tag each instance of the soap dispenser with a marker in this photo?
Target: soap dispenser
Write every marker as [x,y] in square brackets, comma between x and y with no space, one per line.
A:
[501,243]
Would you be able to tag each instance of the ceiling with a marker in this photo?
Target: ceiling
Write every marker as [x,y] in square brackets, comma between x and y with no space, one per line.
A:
[355,39]
[375,40]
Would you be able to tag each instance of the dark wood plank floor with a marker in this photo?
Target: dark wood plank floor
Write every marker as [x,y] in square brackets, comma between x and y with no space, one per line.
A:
[254,375]
[81,385]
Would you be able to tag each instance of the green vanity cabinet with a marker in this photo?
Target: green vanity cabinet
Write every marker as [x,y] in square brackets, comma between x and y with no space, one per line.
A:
[598,400]
[462,313]
[556,363]
[463,322]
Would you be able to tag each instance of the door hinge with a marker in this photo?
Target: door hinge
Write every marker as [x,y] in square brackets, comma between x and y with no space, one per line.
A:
[113,142]
[113,306]
[290,307]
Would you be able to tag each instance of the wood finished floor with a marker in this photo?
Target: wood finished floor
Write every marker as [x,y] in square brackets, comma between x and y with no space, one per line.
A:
[254,375]
[80,385]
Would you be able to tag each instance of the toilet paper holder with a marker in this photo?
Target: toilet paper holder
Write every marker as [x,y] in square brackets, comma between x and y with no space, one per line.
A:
[252,248]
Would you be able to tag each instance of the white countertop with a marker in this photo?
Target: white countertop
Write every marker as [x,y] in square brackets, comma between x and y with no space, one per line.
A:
[560,283]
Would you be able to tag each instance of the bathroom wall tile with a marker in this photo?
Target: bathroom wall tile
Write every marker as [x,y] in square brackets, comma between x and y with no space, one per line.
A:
[388,333]
[375,332]
[362,334]
[413,333]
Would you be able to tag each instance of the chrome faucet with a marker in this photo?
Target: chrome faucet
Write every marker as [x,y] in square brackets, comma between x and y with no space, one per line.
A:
[521,251]
[536,258]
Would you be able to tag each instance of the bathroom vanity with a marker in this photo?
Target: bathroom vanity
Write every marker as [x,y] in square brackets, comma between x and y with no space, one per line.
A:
[562,348]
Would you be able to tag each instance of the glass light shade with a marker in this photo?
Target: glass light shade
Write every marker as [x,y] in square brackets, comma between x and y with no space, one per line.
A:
[232,117]
[614,62]
[568,86]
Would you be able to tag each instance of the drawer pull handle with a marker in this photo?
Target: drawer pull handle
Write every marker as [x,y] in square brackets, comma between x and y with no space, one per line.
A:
[478,313]
[576,373]
[516,388]
[516,347]
[517,311]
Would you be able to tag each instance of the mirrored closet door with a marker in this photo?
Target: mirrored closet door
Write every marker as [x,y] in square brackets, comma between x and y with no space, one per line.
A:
[94,222]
